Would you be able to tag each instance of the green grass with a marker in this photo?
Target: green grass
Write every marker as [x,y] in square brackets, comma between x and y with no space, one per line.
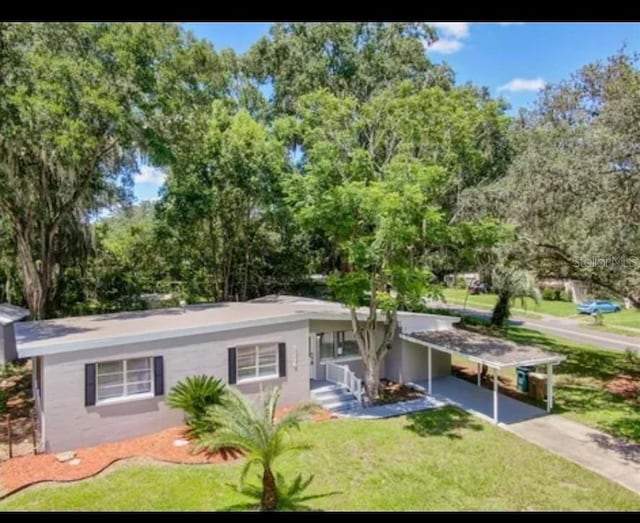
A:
[487,301]
[613,322]
[626,321]
[436,460]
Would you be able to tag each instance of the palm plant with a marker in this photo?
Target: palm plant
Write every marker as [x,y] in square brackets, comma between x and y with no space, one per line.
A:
[194,395]
[511,283]
[255,432]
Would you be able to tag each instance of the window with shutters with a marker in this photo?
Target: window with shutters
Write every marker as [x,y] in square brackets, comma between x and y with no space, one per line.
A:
[123,379]
[257,361]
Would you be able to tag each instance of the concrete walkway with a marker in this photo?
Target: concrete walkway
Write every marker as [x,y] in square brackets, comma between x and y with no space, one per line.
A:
[610,457]
[393,409]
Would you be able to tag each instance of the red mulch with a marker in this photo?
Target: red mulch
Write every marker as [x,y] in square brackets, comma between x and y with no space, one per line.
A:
[626,386]
[392,392]
[20,472]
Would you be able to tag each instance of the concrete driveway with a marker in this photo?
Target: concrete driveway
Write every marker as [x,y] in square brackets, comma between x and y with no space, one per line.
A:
[613,458]
[479,400]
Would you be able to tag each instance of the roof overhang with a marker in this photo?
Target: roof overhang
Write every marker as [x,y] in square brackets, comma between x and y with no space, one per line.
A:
[11,314]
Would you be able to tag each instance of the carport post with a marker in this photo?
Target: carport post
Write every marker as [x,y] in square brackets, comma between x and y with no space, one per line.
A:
[478,373]
[549,387]
[495,395]
[429,385]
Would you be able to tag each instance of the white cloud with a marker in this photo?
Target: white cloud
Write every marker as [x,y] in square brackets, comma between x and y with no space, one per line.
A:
[523,84]
[453,30]
[445,46]
[510,23]
[451,36]
[151,175]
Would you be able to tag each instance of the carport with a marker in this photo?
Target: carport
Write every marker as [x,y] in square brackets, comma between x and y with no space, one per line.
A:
[497,354]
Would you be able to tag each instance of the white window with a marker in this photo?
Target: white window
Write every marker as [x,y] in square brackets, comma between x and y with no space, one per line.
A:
[257,361]
[123,378]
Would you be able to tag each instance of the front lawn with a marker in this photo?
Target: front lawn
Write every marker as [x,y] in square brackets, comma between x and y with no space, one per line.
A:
[441,459]
[488,301]
[615,322]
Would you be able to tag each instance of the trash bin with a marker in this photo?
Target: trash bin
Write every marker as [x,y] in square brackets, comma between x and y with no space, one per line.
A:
[522,378]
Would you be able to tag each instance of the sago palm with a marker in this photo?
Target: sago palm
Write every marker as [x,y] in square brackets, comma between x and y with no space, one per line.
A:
[194,395]
[255,432]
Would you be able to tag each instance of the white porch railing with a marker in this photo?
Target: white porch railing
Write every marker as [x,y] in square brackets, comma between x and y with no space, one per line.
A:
[343,375]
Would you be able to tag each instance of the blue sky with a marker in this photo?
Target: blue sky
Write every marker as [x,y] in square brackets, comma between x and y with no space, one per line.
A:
[512,60]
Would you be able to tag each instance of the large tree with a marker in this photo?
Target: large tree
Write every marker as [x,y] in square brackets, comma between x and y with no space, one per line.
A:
[78,102]
[222,212]
[573,190]
[377,178]
[347,58]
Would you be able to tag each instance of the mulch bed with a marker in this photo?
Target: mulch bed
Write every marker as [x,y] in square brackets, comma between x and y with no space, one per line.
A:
[21,437]
[626,386]
[392,392]
[20,472]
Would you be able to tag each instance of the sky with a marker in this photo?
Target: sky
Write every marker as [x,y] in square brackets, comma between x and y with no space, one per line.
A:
[514,60]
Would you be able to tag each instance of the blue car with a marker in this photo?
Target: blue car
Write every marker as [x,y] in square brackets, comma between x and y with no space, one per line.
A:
[591,306]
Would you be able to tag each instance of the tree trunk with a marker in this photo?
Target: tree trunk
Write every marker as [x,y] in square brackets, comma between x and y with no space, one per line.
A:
[371,381]
[501,310]
[35,289]
[213,245]
[269,501]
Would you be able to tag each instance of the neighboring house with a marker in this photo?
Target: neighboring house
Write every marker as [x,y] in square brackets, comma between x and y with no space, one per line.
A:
[468,277]
[578,289]
[104,378]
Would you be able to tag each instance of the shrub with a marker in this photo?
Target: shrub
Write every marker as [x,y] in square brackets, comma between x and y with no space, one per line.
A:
[567,296]
[631,356]
[548,293]
[460,283]
[194,395]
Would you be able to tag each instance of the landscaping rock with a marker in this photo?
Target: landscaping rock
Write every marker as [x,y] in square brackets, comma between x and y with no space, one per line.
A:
[63,457]
[75,461]
[180,442]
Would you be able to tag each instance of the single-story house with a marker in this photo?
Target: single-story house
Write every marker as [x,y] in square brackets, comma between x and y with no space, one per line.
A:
[104,378]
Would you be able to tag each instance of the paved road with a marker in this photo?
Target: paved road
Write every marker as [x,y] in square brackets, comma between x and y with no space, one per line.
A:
[561,327]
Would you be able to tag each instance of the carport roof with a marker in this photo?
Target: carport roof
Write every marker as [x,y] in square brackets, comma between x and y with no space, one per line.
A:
[493,352]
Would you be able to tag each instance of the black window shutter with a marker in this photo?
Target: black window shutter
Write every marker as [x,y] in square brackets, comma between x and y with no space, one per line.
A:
[158,376]
[89,384]
[232,365]
[282,359]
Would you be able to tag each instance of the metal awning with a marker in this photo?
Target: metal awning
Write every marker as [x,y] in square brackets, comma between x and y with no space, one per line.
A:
[493,352]
[496,353]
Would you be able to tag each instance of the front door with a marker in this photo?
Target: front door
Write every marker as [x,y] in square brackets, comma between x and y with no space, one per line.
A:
[313,357]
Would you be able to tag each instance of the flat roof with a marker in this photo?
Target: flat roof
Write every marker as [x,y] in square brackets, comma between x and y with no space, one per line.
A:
[493,352]
[34,338]
[11,313]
